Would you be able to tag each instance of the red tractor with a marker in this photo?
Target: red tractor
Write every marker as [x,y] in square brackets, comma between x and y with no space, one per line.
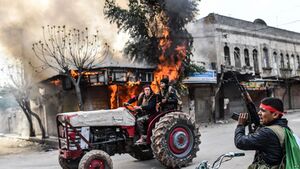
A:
[87,139]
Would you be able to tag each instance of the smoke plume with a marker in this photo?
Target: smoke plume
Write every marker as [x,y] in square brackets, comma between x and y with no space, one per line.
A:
[22,21]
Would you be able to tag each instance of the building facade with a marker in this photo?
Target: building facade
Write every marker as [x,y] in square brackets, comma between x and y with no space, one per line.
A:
[268,55]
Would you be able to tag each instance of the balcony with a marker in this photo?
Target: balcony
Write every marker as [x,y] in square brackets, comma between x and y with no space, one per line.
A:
[298,72]
[285,72]
[267,72]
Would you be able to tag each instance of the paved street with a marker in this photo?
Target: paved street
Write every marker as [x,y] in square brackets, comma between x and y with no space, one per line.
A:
[216,139]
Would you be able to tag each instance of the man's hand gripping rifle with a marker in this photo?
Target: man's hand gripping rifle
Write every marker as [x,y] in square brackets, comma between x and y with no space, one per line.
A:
[253,121]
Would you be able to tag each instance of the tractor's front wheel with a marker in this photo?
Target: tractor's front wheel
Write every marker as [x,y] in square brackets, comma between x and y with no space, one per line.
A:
[175,140]
[96,159]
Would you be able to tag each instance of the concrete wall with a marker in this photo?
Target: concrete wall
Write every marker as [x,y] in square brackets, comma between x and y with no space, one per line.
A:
[204,44]
[13,120]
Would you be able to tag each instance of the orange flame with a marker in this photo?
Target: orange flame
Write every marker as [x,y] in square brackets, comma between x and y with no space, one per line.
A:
[131,83]
[113,94]
[90,73]
[74,74]
[56,82]
[169,66]
[122,93]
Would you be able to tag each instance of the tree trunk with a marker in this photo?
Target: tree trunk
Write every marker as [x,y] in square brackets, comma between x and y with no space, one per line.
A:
[40,124]
[79,97]
[29,119]
[27,105]
[27,111]
[76,83]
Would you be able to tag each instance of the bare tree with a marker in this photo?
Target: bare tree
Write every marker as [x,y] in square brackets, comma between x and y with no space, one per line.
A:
[20,86]
[70,52]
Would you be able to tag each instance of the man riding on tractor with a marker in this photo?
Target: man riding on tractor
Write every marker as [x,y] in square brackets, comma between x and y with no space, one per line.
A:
[169,97]
[146,103]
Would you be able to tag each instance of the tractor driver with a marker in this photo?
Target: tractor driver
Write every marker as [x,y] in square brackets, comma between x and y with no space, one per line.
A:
[146,105]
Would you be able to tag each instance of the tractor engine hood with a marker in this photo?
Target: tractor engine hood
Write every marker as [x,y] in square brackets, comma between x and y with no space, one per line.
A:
[114,117]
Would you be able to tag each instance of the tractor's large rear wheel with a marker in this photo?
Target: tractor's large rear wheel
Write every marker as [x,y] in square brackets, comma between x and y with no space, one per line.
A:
[141,152]
[175,140]
[96,159]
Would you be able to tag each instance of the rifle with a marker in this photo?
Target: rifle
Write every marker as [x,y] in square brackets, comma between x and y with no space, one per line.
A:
[253,121]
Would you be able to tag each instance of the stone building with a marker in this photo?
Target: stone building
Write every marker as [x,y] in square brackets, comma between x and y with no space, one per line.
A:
[267,55]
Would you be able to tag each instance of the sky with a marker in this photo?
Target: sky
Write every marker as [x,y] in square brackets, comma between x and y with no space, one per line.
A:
[276,13]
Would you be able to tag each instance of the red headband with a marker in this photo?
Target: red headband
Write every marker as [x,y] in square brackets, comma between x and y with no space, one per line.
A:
[271,109]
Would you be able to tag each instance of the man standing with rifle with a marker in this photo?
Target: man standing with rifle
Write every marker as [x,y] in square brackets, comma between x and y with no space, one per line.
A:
[266,131]
[268,139]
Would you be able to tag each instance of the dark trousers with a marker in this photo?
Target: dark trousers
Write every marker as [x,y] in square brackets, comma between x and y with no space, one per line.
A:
[141,123]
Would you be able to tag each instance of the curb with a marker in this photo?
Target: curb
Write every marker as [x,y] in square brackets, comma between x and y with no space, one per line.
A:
[291,111]
[51,141]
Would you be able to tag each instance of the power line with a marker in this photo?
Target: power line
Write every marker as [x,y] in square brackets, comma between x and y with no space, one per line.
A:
[291,22]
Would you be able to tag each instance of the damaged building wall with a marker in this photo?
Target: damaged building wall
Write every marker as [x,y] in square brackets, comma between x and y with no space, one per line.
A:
[203,102]
[96,98]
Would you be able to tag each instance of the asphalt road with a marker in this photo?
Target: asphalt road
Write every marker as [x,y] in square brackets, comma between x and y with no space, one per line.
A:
[216,140]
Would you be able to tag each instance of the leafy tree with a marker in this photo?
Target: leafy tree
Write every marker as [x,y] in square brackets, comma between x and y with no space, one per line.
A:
[70,52]
[145,21]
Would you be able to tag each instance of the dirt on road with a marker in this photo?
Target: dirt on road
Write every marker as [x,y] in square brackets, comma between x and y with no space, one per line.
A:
[15,146]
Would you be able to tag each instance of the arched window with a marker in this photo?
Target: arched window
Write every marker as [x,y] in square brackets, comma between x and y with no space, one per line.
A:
[237,57]
[255,61]
[275,60]
[266,57]
[298,62]
[227,55]
[281,61]
[288,61]
[292,61]
[247,59]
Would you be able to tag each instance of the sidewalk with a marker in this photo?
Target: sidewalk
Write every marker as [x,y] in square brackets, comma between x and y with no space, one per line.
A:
[293,111]
[51,141]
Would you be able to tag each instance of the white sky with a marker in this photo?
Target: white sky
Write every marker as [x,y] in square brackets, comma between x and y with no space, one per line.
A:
[284,14]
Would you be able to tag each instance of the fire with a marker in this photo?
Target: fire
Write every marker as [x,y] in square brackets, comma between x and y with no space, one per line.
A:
[90,73]
[56,82]
[170,65]
[74,73]
[113,94]
[122,93]
[131,83]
